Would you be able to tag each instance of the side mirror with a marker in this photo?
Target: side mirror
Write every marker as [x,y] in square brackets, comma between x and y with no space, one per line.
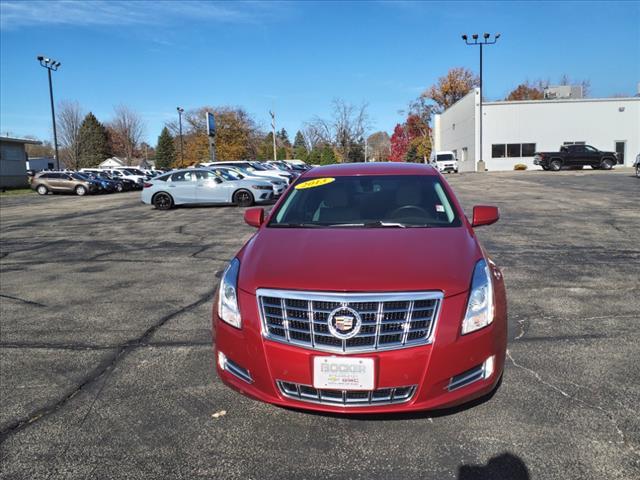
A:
[217,180]
[254,216]
[484,215]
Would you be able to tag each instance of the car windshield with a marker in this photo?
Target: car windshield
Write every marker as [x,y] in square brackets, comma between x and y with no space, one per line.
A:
[258,166]
[234,174]
[79,176]
[367,202]
[444,156]
[224,174]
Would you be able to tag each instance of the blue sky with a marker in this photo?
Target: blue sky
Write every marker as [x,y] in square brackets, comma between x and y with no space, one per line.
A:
[295,57]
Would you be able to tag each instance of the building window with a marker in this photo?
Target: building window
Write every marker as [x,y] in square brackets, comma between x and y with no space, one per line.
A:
[528,149]
[498,150]
[513,150]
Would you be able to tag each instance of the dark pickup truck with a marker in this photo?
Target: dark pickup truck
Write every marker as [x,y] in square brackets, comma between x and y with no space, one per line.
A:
[576,156]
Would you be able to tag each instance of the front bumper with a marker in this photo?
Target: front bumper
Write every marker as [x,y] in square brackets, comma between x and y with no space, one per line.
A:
[261,196]
[264,365]
[448,168]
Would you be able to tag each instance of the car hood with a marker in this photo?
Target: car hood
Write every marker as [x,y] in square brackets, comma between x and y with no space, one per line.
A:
[266,173]
[360,260]
[264,181]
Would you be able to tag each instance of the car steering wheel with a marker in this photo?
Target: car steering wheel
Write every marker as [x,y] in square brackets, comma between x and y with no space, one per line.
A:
[421,210]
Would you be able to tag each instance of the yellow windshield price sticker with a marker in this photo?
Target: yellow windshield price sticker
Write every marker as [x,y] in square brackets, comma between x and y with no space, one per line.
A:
[316,182]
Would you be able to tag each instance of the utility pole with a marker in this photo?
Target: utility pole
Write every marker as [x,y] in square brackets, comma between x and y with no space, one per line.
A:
[366,144]
[180,112]
[273,129]
[50,64]
[485,41]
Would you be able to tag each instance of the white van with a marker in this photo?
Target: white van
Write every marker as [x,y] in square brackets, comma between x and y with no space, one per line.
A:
[445,161]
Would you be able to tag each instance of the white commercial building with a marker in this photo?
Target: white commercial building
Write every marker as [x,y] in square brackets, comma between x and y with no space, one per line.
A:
[513,131]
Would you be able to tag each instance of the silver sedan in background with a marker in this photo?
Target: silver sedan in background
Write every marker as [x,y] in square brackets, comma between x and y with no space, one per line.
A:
[199,186]
[279,185]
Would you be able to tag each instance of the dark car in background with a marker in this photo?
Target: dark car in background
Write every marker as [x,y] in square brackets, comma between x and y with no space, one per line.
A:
[108,185]
[576,156]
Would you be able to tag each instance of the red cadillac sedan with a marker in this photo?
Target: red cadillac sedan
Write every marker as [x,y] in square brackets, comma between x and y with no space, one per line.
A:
[365,290]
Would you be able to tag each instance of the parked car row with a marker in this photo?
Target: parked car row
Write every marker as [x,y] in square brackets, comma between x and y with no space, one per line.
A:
[242,183]
[230,182]
[91,180]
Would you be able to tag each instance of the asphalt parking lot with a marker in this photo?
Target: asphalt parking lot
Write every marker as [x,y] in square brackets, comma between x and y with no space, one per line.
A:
[107,367]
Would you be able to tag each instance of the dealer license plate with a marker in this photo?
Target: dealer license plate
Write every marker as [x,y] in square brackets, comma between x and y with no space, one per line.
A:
[342,373]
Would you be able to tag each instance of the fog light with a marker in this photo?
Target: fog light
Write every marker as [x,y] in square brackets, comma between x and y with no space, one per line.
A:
[222,360]
[489,365]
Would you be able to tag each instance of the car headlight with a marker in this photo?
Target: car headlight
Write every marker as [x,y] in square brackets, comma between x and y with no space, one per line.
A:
[480,307]
[228,310]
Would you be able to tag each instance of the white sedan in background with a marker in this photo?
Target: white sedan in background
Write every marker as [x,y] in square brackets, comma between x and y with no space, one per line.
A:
[203,187]
[279,185]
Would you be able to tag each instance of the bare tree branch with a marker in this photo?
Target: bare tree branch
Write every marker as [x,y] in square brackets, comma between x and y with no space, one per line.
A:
[69,119]
[128,126]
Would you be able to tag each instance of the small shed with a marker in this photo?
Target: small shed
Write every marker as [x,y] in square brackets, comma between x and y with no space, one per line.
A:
[13,161]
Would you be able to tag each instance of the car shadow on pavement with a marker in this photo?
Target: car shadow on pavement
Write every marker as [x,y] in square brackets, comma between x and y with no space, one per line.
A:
[505,466]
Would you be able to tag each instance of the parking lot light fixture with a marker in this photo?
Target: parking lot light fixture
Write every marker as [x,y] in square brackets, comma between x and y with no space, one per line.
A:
[180,112]
[50,65]
[487,40]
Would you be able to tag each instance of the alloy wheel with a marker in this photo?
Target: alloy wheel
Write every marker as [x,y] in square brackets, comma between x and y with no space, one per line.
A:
[243,198]
[162,201]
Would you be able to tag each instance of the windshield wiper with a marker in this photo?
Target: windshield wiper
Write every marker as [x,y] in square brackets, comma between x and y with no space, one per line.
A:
[379,224]
[296,225]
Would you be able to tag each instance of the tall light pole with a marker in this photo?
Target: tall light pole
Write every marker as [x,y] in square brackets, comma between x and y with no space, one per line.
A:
[51,64]
[486,40]
[180,112]
[273,129]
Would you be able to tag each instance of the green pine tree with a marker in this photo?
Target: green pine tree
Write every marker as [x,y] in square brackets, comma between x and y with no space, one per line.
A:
[93,142]
[327,155]
[300,148]
[313,158]
[283,137]
[165,150]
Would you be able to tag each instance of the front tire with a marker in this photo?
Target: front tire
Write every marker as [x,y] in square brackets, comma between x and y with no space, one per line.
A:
[545,168]
[555,165]
[81,191]
[42,190]
[119,187]
[638,170]
[162,201]
[243,198]
[607,164]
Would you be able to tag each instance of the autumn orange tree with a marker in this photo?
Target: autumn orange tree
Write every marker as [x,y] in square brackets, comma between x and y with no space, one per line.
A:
[237,135]
[451,88]
[526,91]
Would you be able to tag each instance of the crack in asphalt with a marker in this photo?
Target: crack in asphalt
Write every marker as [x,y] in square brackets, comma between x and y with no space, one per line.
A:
[105,366]
[602,410]
[22,300]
